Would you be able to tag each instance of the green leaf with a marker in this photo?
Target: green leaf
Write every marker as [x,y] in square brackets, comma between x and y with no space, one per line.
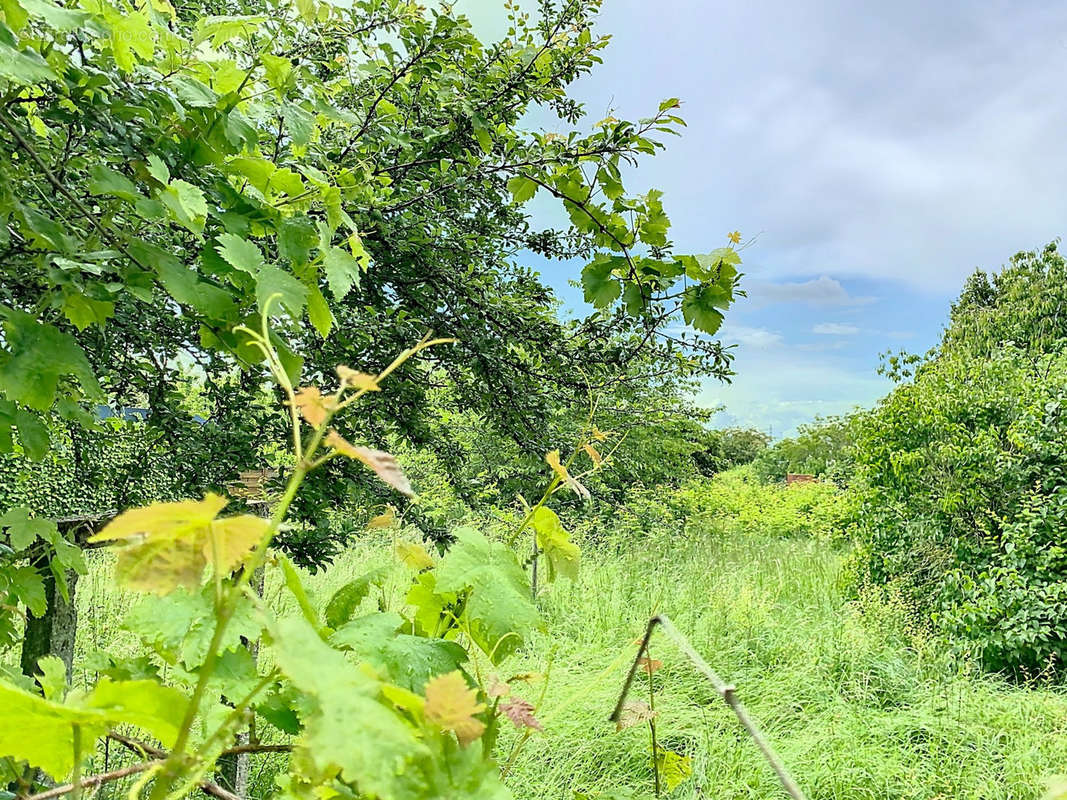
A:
[498,608]
[146,704]
[52,677]
[131,35]
[296,237]
[277,70]
[296,586]
[33,434]
[37,357]
[700,306]
[674,768]
[24,66]
[27,585]
[600,286]
[430,605]
[180,625]
[46,233]
[23,530]
[83,311]
[342,271]
[405,660]
[235,674]
[378,749]
[62,19]
[187,204]
[184,284]
[563,555]
[481,133]
[104,180]
[42,732]
[158,169]
[221,29]
[346,600]
[299,123]
[522,188]
[240,253]
[319,311]
[15,15]
[193,93]
[272,280]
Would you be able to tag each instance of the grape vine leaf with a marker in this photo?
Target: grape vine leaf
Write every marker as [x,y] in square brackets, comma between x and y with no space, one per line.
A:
[452,705]
[601,287]
[405,660]
[149,705]
[346,600]
[521,714]
[180,625]
[674,768]
[563,554]
[41,731]
[414,555]
[52,678]
[37,357]
[377,749]
[431,607]
[498,610]
[167,545]
[23,529]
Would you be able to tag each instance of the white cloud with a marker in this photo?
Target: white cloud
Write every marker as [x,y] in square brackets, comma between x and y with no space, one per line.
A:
[757,338]
[835,329]
[823,291]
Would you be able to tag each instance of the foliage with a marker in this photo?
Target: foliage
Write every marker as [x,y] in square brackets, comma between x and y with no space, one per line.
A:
[404,690]
[823,448]
[167,169]
[963,473]
[735,500]
[727,448]
[854,697]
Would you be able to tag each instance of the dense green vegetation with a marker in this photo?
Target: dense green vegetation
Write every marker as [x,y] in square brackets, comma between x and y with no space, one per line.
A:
[859,696]
[308,490]
[961,472]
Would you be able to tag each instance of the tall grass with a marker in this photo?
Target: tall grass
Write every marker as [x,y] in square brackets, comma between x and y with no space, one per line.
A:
[859,705]
[859,702]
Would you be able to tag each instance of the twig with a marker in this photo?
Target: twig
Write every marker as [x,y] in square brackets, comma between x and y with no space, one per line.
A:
[93,780]
[258,748]
[207,787]
[727,692]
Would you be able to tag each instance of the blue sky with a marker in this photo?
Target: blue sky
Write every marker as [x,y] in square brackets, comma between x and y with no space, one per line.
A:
[880,151]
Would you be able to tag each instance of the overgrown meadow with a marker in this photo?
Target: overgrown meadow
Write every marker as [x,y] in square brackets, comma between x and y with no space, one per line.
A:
[311,488]
[859,697]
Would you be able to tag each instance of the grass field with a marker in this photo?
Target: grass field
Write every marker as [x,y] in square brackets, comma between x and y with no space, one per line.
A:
[858,702]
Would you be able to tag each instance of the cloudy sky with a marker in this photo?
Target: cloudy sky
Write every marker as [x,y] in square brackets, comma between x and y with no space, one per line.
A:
[880,151]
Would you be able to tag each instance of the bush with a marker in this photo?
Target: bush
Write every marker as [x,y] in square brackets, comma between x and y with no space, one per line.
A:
[963,474]
[736,500]
[823,448]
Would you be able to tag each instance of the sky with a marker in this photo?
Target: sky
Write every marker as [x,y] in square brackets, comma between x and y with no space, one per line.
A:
[878,152]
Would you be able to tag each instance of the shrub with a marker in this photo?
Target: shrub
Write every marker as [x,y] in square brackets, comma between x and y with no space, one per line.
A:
[963,474]
[824,449]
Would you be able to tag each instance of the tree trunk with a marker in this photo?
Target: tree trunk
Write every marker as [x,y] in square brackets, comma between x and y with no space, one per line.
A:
[52,633]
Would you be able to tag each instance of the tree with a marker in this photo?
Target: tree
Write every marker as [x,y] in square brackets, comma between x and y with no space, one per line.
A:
[962,473]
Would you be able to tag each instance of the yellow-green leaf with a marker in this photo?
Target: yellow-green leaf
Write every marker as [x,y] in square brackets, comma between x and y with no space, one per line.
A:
[451,706]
